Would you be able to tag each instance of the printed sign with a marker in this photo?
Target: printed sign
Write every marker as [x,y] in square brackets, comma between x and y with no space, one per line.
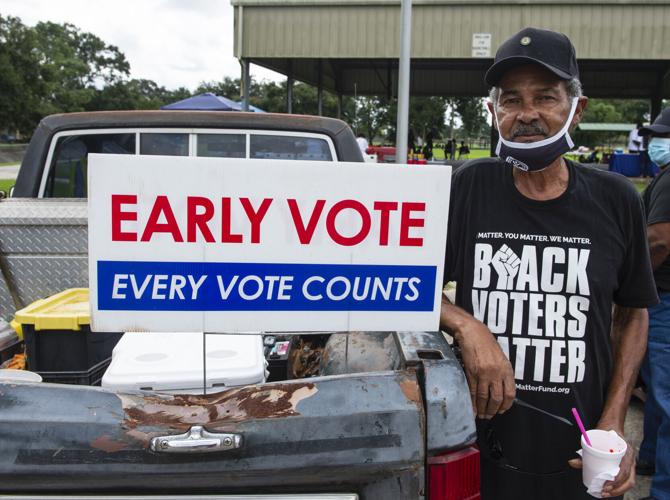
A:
[481,45]
[230,245]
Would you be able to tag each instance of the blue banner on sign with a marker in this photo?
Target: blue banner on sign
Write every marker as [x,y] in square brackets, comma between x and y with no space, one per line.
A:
[197,286]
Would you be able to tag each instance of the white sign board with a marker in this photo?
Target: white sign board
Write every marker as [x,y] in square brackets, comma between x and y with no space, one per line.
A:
[230,245]
[481,45]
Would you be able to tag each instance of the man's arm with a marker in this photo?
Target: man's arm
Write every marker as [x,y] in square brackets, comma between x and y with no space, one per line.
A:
[487,369]
[658,236]
[629,343]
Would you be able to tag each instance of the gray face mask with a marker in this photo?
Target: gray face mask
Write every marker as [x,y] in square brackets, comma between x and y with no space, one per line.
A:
[536,156]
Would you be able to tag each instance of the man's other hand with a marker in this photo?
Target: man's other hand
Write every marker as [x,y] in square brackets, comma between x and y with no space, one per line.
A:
[625,479]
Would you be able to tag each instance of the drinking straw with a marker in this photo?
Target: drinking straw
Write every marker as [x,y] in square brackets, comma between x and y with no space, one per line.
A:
[575,413]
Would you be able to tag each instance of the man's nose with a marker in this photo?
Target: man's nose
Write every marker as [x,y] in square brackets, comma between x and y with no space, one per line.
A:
[528,113]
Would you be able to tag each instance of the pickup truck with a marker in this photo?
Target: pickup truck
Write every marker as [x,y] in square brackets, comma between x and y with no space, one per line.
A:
[383,415]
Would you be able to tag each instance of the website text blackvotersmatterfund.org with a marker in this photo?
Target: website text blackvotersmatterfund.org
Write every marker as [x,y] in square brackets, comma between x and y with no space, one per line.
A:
[542,388]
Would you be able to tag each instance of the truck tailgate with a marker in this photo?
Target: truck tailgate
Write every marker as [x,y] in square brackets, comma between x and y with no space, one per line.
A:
[326,434]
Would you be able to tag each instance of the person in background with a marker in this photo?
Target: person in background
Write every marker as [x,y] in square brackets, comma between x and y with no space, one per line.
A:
[447,150]
[463,151]
[428,147]
[453,148]
[362,143]
[553,282]
[635,139]
[654,456]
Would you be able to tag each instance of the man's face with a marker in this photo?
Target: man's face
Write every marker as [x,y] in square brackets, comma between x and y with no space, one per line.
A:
[533,104]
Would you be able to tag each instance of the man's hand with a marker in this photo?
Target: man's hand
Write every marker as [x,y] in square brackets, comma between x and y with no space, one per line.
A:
[487,369]
[625,479]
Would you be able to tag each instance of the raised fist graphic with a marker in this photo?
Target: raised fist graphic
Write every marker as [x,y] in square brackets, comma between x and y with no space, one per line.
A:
[506,263]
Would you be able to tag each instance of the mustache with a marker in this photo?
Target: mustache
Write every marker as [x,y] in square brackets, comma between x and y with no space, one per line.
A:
[529,129]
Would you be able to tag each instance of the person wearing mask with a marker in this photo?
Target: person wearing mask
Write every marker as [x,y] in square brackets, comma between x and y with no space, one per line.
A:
[553,282]
[654,456]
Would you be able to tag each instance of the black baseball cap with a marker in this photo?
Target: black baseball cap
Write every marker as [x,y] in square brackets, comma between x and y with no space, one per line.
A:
[547,48]
[661,124]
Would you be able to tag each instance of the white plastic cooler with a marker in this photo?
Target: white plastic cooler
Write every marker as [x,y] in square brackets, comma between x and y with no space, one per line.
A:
[172,362]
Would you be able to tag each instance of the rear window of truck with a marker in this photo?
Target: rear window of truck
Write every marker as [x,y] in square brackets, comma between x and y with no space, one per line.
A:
[67,173]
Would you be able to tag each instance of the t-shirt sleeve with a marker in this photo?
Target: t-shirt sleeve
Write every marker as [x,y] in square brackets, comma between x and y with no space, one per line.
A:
[659,202]
[636,279]
[452,254]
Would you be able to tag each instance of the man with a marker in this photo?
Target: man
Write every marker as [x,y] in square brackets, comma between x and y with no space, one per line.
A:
[541,248]
[635,143]
[656,366]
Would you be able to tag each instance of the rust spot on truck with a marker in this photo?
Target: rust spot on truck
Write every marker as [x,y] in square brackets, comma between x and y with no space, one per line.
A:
[410,388]
[146,416]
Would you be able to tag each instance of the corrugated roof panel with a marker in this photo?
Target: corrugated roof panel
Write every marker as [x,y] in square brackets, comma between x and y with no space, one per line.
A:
[612,31]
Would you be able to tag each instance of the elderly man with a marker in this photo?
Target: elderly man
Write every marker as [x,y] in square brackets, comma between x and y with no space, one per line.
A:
[541,249]
[656,367]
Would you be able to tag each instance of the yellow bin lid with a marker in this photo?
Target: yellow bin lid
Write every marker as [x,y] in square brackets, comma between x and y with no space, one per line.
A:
[67,310]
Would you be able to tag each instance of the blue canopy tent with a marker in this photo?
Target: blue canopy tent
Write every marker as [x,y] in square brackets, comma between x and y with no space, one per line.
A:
[205,102]
[252,108]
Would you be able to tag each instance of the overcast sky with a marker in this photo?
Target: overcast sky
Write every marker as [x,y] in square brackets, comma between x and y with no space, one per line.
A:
[176,43]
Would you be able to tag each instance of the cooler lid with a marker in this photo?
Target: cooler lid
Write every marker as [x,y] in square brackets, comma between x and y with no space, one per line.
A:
[172,361]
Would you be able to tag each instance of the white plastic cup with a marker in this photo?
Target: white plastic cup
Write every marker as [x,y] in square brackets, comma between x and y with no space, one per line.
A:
[606,452]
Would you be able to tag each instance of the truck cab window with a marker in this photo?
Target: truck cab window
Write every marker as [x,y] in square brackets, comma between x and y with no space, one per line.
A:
[222,145]
[165,144]
[289,147]
[69,166]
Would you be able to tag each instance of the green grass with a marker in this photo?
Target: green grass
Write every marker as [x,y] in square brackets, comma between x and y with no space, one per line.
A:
[8,163]
[640,184]
[5,184]
[438,154]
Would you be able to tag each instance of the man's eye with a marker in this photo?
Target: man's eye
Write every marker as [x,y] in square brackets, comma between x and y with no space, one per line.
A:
[508,102]
[547,98]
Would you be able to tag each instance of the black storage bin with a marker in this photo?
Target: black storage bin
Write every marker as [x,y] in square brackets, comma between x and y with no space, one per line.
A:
[67,350]
[92,376]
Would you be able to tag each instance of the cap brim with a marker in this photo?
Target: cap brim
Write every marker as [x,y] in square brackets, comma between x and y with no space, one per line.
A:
[654,129]
[495,72]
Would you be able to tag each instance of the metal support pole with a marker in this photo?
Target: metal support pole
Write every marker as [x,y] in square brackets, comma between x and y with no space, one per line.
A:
[289,94]
[339,106]
[245,84]
[319,91]
[403,81]
[656,98]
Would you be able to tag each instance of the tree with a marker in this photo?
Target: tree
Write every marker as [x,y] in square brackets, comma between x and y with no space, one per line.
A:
[473,115]
[73,64]
[21,83]
[134,94]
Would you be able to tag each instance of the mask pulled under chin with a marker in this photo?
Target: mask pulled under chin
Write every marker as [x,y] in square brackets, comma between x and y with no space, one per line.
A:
[536,156]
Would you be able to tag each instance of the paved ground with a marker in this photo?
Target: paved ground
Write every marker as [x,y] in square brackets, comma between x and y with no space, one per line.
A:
[9,171]
[634,433]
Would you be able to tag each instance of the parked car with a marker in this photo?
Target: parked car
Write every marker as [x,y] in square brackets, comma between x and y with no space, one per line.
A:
[383,415]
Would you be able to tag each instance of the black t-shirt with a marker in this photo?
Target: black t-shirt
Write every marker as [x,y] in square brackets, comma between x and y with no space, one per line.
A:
[657,205]
[543,276]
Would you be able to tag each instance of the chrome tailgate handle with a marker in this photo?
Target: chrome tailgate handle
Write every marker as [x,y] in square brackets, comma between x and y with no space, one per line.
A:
[196,440]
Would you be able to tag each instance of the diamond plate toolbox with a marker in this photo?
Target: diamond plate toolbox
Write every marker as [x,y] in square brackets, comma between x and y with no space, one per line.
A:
[43,249]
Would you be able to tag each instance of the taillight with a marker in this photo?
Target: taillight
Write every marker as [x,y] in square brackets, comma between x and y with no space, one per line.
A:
[454,476]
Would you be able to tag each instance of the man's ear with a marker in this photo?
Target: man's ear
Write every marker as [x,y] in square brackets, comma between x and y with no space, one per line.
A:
[579,111]
[490,105]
